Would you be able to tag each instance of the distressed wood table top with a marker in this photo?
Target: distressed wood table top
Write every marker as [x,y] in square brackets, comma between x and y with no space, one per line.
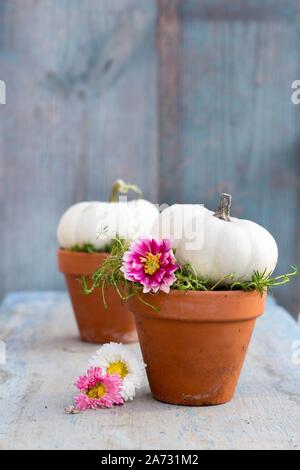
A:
[44,357]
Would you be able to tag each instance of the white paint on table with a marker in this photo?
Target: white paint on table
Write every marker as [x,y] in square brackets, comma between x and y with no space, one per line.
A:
[45,356]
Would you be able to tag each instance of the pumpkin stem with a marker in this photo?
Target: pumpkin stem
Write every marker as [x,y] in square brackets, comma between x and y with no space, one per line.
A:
[120,186]
[223,211]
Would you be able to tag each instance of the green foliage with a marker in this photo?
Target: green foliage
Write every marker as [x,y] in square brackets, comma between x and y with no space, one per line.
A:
[89,248]
[263,281]
[187,280]
[110,274]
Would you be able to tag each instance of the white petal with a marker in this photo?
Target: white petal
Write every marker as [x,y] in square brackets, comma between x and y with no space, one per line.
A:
[113,352]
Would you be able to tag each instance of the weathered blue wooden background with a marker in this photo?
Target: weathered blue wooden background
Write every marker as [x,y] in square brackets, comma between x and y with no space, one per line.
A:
[186,98]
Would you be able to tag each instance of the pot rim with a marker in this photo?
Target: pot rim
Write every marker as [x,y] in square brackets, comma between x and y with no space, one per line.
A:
[226,293]
[79,263]
[201,306]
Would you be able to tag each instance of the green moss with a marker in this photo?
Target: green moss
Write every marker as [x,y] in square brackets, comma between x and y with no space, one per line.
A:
[89,248]
[110,274]
[187,280]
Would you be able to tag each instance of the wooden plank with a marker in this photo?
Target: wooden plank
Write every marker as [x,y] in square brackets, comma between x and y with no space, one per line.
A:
[168,45]
[44,358]
[238,128]
[242,10]
[83,108]
[81,111]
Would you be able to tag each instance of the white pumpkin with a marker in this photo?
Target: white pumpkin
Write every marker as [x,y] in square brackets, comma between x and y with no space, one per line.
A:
[98,223]
[220,245]
[179,221]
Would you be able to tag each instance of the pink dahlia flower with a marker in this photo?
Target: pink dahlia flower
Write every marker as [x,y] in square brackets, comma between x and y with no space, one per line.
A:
[98,390]
[150,263]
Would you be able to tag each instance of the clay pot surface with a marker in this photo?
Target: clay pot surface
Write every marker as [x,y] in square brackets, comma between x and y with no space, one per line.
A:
[95,323]
[195,346]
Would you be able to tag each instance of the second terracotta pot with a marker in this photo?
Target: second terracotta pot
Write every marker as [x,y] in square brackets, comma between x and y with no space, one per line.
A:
[195,346]
[95,323]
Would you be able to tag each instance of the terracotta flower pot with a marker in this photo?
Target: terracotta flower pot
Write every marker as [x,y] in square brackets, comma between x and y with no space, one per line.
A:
[195,346]
[95,323]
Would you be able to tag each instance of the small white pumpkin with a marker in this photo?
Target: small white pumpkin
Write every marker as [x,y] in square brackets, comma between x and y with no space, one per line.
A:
[179,221]
[220,246]
[98,223]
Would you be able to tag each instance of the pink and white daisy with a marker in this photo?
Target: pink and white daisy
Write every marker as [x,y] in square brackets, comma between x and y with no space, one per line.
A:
[118,359]
[98,390]
[150,262]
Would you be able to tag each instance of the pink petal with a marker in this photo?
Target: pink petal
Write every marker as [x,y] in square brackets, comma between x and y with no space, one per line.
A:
[165,288]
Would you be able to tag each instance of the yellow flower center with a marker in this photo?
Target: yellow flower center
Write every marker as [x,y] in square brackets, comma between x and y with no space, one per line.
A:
[96,392]
[118,368]
[151,263]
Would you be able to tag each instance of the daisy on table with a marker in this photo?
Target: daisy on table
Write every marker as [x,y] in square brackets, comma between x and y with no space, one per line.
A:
[117,359]
[98,390]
